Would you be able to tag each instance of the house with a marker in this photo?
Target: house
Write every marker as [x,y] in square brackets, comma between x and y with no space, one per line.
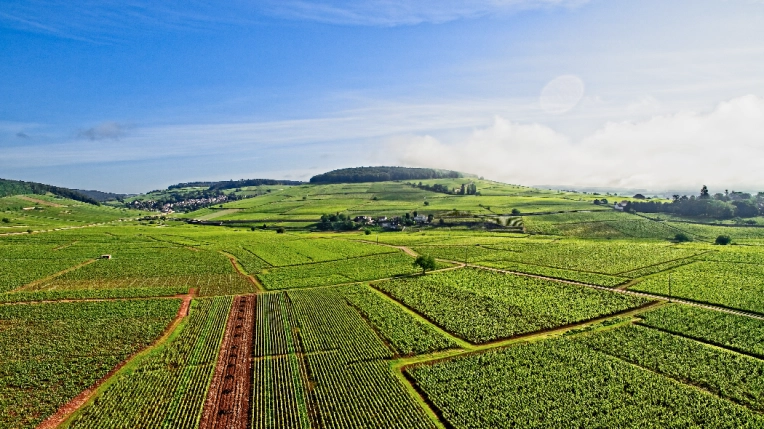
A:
[420,219]
[621,206]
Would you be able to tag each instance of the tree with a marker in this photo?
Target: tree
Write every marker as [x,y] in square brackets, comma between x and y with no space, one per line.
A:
[682,237]
[515,212]
[704,192]
[425,263]
[430,218]
[280,230]
[6,220]
[723,240]
[427,203]
[367,232]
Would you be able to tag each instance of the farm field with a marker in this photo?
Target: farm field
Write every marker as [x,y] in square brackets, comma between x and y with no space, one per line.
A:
[300,328]
[734,285]
[49,353]
[481,306]
[539,384]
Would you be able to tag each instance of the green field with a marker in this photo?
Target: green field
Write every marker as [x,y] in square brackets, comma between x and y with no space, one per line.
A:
[49,353]
[540,330]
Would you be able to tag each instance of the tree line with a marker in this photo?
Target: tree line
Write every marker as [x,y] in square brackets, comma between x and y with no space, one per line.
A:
[382,174]
[725,205]
[18,187]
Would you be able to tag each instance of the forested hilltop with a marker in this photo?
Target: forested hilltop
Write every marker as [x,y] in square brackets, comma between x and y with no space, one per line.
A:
[18,187]
[383,174]
[232,184]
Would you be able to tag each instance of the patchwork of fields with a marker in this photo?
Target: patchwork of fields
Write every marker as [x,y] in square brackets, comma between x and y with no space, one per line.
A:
[568,324]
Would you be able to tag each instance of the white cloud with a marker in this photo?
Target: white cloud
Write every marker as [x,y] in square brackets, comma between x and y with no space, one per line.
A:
[402,12]
[723,147]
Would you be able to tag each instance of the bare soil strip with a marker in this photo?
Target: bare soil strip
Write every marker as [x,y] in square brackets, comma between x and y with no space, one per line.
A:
[78,401]
[228,401]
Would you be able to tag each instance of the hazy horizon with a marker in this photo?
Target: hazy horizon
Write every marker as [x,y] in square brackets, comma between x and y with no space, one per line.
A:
[587,94]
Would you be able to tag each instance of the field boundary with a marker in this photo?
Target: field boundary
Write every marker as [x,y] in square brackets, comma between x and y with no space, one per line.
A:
[52,276]
[63,415]
[240,270]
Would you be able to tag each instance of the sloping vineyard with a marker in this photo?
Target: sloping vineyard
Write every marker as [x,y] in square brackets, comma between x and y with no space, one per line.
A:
[168,387]
[482,306]
[318,364]
[49,353]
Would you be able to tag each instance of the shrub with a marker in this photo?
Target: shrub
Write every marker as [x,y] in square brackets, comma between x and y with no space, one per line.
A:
[682,237]
[367,232]
[723,240]
[6,220]
[515,212]
[280,230]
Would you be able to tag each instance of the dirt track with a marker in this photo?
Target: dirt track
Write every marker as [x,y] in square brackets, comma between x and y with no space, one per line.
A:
[228,400]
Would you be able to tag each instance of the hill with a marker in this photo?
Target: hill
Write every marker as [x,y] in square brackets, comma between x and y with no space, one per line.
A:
[383,174]
[101,196]
[18,187]
[232,184]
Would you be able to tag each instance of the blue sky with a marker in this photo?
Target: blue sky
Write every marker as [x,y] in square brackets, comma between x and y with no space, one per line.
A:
[128,96]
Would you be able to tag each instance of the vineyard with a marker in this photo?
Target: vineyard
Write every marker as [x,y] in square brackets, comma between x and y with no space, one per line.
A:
[51,352]
[605,264]
[318,364]
[540,385]
[482,306]
[739,286]
[177,321]
[729,375]
[339,272]
[182,367]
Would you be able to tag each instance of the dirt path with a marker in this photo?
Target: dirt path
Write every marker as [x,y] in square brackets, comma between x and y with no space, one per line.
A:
[228,399]
[78,401]
[240,270]
[40,202]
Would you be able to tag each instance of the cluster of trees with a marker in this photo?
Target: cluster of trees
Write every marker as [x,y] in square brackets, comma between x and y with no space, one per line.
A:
[465,189]
[468,189]
[18,187]
[232,184]
[719,206]
[603,202]
[336,222]
[382,174]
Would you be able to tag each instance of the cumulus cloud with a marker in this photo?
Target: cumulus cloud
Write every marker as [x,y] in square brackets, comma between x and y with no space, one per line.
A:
[721,147]
[105,130]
